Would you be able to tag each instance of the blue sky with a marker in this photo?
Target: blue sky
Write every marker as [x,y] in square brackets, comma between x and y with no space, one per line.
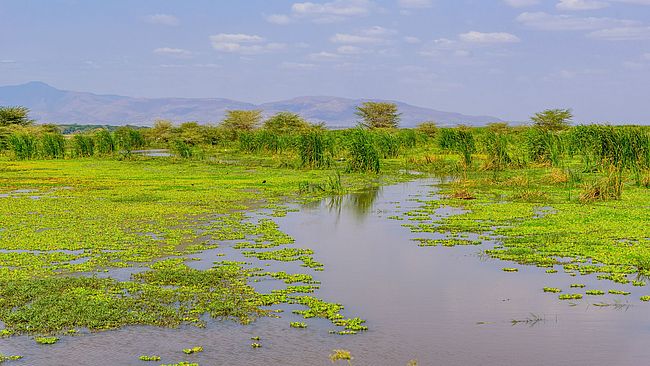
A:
[507,58]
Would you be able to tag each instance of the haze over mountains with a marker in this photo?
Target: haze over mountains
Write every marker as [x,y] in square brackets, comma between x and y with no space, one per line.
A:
[52,105]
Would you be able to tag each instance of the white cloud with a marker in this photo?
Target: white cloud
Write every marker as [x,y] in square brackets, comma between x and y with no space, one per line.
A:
[247,44]
[350,50]
[581,4]
[480,37]
[236,38]
[415,4]
[280,19]
[638,33]
[324,56]
[333,11]
[548,22]
[176,52]
[372,35]
[521,3]
[412,40]
[298,66]
[353,39]
[162,19]
[378,31]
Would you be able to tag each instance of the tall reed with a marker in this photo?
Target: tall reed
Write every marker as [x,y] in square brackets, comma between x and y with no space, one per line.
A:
[23,145]
[315,149]
[364,156]
[52,145]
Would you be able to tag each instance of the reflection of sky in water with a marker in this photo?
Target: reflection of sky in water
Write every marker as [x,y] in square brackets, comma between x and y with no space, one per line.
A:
[442,306]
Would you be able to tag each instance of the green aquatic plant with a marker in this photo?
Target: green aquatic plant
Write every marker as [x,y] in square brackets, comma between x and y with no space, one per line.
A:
[578,285]
[4,358]
[256,345]
[46,340]
[619,292]
[189,351]
[570,297]
[552,289]
[645,298]
[149,358]
[510,269]
[341,355]
[298,325]
[595,292]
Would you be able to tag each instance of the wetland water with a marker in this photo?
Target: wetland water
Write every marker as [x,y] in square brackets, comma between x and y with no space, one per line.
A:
[439,305]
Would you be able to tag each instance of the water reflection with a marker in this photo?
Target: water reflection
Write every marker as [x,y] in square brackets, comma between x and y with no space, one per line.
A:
[360,204]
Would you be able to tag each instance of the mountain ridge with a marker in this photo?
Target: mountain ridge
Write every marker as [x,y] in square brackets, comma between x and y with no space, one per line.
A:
[51,105]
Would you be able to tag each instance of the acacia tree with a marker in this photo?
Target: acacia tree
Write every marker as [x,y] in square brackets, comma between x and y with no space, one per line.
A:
[286,122]
[17,115]
[241,120]
[378,115]
[552,119]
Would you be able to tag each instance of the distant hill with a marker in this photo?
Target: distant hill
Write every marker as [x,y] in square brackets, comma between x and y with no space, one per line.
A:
[51,105]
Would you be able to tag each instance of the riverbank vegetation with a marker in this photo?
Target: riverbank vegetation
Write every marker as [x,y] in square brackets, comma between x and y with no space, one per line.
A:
[97,233]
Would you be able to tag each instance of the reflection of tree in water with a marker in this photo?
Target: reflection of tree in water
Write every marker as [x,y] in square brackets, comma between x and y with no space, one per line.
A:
[360,203]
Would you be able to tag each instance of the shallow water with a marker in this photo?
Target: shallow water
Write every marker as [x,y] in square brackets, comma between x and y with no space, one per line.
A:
[439,305]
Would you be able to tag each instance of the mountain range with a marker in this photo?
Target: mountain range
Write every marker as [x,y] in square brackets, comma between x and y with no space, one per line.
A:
[51,105]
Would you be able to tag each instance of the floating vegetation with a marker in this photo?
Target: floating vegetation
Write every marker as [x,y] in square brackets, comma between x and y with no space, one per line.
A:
[298,325]
[189,351]
[645,298]
[638,283]
[595,292]
[570,297]
[424,242]
[578,285]
[552,289]
[510,269]
[552,270]
[531,320]
[341,355]
[149,358]
[256,345]
[46,340]
[619,292]
[4,358]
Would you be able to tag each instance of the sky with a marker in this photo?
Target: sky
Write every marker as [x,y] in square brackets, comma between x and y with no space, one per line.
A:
[505,58]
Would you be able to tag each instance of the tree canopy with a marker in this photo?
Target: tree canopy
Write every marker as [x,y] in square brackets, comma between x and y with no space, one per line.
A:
[241,120]
[552,119]
[16,115]
[378,115]
[286,122]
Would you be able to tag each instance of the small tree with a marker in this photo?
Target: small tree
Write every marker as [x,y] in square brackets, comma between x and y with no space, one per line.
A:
[552,119]
[286,122]
[240,120]
[428,128]
[15,116]
[378,115]
[161,131]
